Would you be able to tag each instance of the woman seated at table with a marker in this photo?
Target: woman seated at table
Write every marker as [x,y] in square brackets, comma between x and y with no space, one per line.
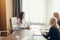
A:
[21,21]
[53,33]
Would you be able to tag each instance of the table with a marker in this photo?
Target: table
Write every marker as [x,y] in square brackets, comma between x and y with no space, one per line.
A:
[22,35]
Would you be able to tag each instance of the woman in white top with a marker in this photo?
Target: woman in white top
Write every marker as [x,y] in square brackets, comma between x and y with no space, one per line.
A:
[20,20]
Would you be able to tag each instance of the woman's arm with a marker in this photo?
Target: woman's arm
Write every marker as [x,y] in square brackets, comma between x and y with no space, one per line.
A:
[18,21]
[49,33]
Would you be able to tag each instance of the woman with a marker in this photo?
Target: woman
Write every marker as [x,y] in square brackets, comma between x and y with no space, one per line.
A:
[20,21]
[53,33]
[20,18]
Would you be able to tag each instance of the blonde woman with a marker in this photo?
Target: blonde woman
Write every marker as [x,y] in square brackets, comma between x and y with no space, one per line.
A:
[53,33]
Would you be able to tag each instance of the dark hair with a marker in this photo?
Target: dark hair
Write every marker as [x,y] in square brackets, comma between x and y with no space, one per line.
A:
[21,15]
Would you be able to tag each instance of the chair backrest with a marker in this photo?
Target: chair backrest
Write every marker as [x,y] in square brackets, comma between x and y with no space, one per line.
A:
[14,22]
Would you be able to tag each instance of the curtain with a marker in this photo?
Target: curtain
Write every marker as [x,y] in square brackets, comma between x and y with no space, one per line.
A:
[16,7]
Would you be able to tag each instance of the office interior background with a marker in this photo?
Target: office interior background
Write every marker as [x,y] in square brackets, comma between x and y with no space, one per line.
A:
[37,12]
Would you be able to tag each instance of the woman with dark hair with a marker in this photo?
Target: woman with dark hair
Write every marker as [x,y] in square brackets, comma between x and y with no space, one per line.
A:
[21,15]
[20,18]
[21,23]
[53,33]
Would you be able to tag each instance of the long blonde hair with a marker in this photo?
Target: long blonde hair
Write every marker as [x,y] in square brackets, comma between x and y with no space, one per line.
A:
[53,21]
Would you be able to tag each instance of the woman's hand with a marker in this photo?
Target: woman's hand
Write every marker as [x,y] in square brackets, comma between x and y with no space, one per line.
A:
[42,33]
[28,27]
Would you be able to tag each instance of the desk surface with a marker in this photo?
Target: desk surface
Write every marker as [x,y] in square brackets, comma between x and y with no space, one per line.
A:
[14,34]
[19,33]
[22,32]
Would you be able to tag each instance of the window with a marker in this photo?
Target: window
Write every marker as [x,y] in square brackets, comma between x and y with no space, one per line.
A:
[35,10]
[39,11]
[56,6]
